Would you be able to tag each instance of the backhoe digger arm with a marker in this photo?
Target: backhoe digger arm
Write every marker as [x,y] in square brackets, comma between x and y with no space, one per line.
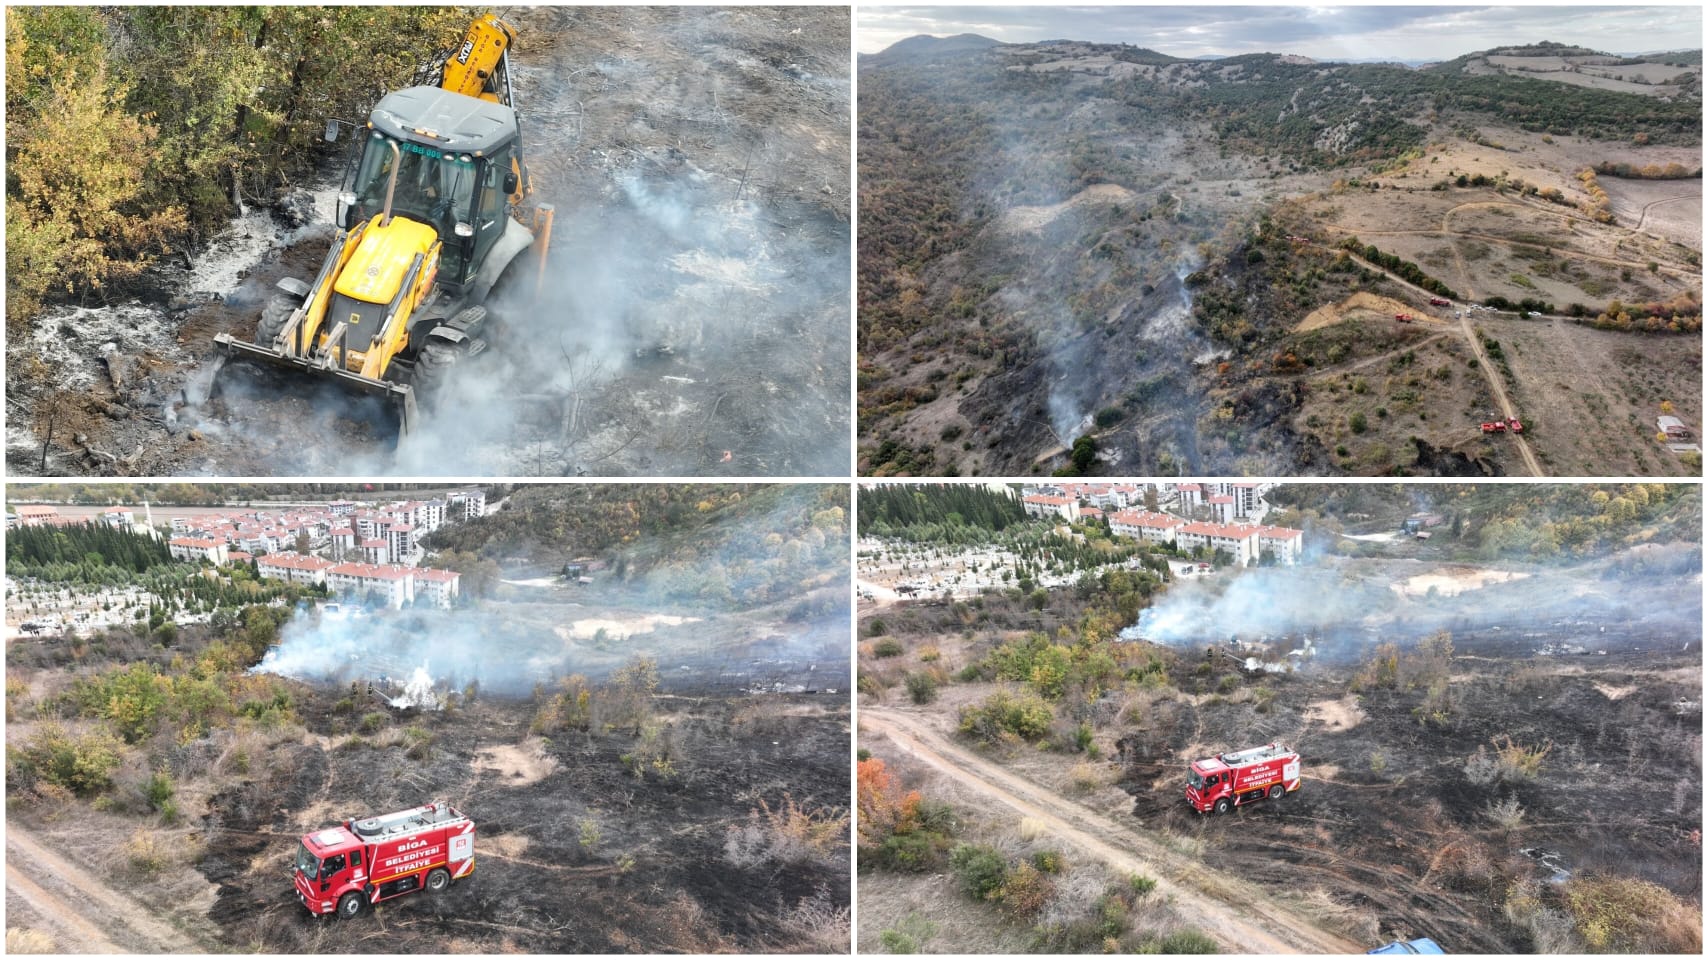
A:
[470,71]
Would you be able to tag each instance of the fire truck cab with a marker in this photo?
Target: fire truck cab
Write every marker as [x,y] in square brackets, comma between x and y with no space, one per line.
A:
[362,862]
[1223,782]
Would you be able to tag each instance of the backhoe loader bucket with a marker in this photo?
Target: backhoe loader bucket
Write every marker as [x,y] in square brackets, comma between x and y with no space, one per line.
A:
[399,398]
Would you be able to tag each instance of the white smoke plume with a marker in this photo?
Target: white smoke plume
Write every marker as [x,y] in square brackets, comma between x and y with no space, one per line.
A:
[1258,603]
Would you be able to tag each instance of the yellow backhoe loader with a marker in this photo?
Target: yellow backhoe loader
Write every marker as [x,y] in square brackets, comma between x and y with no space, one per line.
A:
[431,215]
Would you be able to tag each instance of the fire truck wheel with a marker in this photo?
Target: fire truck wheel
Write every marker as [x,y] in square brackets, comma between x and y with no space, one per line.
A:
[349,905]
[1224,805]
[1276,792]
[437,881]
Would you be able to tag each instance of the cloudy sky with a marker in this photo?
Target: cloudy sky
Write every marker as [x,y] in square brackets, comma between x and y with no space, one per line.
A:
[1322,32]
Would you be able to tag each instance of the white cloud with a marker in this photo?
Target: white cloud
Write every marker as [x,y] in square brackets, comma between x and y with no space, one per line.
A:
[1323,32]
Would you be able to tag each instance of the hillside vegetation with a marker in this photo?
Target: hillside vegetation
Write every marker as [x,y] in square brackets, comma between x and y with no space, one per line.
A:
[1095,259]
[133,132]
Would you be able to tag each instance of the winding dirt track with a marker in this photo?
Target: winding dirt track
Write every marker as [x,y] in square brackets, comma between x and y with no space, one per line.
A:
[1490,374]
[1242,919]
[83,912]
[1644,217]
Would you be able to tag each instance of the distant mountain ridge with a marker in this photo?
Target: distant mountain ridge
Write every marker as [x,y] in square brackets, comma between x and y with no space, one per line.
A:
[925,47]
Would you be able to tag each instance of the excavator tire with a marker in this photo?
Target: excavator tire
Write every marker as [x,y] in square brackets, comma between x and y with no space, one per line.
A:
[433,366]
[274,316]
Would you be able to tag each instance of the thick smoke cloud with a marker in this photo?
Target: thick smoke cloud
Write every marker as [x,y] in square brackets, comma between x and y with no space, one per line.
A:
[454,648]
[1258,603]
[1344,614]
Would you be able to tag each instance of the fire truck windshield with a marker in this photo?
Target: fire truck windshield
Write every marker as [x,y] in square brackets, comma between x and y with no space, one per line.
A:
[1196,779]
[307,862]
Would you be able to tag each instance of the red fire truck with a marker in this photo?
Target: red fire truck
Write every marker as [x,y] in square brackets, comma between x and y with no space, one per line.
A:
[361,862]
[1227,781]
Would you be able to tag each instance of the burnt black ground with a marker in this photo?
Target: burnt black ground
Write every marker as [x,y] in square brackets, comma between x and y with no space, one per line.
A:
[657,880]
[1376,840]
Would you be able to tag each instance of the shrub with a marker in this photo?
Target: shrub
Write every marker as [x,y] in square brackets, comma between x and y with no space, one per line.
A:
[1517,761]
[16,691]
[158,790]
[1627,915]
[1506,814]
[980,869]
[1086,776]
[1024,891]
[130,698]
[420,741]
[83,764]
[908,935]
[922,687]
[918,852]
[1140,884]
[373,722]
[790,834]
[1188,941]
[145,852]
[1026,716]
[887,647]
[895,941]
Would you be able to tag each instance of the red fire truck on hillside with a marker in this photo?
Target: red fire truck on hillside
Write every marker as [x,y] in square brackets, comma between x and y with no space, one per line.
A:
[1232,779]
[362,862]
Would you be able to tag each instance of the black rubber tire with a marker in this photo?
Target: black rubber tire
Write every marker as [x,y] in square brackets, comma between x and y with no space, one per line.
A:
[438,881]
[349,905]
[274,316]
[434,363]
[1224,805]
[1277,792]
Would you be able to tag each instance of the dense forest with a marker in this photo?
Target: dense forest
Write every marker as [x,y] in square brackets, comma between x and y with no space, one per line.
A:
[126,549]
[132,132]
[897,508]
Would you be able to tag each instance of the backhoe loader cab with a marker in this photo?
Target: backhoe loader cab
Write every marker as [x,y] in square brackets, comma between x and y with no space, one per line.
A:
[457,162]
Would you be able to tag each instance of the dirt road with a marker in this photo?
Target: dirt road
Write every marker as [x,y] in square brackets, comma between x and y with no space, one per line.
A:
[82,912]
[1490,374]
[1644,218]
[1506,409]
[1240,918]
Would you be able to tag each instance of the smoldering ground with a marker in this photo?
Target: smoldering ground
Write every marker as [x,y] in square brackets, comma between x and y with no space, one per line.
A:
[693,313]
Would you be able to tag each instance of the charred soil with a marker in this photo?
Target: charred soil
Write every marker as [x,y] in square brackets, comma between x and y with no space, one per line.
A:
[590,858]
